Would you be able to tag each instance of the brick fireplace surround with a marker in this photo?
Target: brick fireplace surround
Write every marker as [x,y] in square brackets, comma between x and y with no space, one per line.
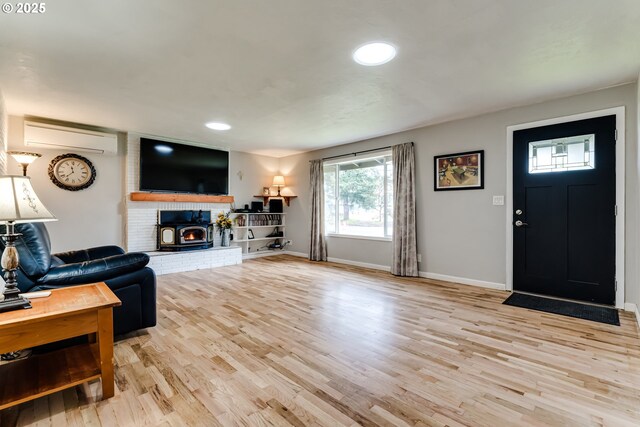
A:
[142,218]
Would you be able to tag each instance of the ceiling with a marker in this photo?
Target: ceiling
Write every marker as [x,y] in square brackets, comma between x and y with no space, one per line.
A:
[280,71]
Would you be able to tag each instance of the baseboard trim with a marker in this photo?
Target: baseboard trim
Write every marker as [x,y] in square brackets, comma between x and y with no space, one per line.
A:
[360,264]
[463,280]
[300,254]
[345,261]
[261,254]
[629,306]
[425,274]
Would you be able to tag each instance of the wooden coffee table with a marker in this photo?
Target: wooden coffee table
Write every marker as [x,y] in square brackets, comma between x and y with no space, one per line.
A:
[67,313]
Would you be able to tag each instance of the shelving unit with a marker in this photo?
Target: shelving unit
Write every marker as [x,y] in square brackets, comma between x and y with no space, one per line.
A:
[68,312]
[261,225]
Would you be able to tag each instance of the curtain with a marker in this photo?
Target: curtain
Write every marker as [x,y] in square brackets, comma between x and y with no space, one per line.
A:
[405,252]
[318,246]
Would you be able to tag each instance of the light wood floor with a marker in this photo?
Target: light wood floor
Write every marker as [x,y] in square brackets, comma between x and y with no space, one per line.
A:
[282,341]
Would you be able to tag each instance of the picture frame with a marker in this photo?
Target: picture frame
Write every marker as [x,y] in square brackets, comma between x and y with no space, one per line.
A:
[250,235]
[266,191]
[459,171]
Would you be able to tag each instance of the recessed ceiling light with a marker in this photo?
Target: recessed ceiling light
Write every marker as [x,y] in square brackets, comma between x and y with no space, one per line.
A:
[377,53]
[218,126]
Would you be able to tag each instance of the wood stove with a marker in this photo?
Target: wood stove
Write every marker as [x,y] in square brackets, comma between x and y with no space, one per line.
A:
[184,230]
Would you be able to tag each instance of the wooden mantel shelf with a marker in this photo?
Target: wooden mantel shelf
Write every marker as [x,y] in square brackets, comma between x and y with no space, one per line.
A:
[287,199]
[176,197]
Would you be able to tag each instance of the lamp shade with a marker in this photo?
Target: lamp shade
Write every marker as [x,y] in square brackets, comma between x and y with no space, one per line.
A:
[19,202]
[23,157]
[278,181]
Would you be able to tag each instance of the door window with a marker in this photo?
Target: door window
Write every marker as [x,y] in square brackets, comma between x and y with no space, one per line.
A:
[562,154]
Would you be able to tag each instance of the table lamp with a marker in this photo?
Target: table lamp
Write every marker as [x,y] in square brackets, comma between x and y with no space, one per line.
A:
[18,204]
[278,181]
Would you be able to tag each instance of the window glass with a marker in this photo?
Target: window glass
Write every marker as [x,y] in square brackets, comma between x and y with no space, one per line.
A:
[358,196]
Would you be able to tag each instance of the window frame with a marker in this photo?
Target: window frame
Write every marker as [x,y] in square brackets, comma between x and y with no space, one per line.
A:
[386,155]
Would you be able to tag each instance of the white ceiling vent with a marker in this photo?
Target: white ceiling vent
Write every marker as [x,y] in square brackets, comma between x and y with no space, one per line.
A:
[55,137]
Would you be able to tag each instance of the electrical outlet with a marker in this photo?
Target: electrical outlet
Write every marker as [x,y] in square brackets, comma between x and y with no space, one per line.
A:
[419,257]
[289,242]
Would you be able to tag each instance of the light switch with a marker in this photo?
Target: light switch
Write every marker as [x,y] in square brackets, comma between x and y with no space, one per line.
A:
[498,200]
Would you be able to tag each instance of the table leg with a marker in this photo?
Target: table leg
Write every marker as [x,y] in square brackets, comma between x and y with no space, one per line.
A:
[105,343]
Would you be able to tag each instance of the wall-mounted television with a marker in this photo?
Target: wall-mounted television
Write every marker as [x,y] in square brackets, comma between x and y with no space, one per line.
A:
[180,168]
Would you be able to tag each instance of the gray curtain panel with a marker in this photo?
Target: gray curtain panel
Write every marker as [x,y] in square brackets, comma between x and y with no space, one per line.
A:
[318,246]
[405,252]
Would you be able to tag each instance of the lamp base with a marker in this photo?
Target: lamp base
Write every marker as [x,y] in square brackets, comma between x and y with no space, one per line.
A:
[14,304]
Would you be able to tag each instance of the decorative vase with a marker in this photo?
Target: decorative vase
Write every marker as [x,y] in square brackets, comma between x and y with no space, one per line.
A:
[225,237]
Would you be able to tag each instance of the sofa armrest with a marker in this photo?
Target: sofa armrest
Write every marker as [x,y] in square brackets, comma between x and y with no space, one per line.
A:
[89,254]
[97,270]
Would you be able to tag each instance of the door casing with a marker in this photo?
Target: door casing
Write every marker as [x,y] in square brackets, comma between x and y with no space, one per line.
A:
[620,190]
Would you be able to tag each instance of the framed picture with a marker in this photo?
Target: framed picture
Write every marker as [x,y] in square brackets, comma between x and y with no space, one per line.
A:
[265,191]
[250,235]
[459,171]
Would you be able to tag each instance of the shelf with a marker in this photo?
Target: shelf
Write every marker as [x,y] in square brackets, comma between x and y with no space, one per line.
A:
[245,243]
[140,196]
[40,375]
[265,199]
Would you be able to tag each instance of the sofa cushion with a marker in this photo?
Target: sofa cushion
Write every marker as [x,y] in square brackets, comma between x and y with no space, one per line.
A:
[92,271]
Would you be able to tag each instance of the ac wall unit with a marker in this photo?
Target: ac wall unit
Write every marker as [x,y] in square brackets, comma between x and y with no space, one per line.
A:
[55,137]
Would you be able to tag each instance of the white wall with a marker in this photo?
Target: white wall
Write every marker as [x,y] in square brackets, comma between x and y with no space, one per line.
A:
[248,173]
[86,218]
[635,297]
[460,233]
[3,136]
[98,215]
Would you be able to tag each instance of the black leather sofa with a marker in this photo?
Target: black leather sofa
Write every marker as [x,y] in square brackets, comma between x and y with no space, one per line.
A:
[126,274]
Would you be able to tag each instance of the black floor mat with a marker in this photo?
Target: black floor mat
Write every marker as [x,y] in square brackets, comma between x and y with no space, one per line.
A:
[565,308]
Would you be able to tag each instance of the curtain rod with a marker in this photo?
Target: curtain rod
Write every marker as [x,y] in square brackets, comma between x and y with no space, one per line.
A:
[357,152]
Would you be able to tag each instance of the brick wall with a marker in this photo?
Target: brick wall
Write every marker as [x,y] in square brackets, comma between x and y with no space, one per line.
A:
[176,262]
[142,218]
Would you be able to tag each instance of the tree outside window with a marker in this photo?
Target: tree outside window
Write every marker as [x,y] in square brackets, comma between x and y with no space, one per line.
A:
[358,196]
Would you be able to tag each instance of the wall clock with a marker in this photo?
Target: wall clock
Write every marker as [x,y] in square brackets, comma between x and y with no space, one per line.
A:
[72,172]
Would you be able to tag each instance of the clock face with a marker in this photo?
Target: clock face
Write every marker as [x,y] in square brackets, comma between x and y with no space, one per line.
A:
[72,172]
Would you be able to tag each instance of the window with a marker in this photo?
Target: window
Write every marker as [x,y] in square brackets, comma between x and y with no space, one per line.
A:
[563,154]
[358,196]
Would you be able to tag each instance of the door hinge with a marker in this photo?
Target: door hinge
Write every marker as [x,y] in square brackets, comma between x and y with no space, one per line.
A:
[616,282]
[615,210]
[615,135]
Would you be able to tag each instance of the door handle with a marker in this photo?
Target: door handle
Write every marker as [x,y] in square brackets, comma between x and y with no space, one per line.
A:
[519,223]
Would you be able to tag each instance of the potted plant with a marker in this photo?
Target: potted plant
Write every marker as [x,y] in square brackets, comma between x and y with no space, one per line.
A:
[224,224]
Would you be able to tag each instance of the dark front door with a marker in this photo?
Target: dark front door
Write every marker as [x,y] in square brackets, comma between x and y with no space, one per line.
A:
[564,210]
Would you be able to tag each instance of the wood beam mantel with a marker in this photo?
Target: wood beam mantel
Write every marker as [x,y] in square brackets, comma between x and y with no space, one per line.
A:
[140,196]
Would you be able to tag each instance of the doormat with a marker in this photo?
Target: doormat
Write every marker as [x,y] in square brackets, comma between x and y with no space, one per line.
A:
[565,308]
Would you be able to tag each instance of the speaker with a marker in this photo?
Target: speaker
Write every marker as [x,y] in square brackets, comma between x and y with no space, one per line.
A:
[275,206]
[256,207]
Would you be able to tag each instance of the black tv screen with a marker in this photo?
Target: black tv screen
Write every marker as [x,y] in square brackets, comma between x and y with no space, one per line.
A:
[180,168]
